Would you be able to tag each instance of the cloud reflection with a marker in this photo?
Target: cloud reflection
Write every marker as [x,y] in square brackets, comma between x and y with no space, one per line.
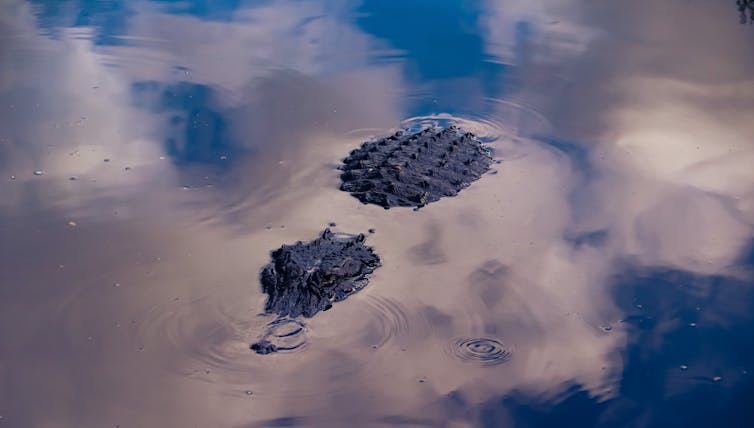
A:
[649,163]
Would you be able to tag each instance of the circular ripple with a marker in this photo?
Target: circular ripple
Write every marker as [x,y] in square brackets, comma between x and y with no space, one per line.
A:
[285,335]
[388,319]
[208,338]
[484,129]
[483,351]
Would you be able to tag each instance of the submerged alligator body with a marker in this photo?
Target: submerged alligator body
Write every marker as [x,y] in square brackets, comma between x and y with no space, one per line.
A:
[309,277]
[412,170]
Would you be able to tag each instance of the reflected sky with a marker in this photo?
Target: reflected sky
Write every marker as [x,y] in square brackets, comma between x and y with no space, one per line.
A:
[153,152]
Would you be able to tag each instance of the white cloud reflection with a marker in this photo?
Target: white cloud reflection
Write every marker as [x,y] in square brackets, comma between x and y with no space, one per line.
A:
[671,186]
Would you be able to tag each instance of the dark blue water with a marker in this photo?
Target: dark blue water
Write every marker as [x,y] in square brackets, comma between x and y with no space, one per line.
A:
[152,153]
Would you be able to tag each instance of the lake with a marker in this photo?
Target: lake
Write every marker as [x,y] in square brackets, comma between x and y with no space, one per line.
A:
[153,154]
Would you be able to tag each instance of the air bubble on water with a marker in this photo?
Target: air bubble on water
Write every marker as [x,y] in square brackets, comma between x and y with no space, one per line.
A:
[606,328]
[39,172]
[248,393]
[12,177]
[692,324]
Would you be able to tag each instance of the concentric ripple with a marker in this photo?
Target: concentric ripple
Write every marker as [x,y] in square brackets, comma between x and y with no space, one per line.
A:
[284,335]
[212,334]
[483,351]
[388,319]
[486,130]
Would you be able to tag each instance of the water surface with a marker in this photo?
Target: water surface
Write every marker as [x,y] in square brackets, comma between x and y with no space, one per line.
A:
[153,153]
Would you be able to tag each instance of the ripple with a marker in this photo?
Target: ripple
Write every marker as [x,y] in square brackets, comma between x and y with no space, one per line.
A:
[523,112]
[487,130]
[213,335]
[483,351]
[388,319]
[284,335]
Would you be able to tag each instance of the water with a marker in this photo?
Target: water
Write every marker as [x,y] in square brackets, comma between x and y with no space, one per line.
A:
[154,152]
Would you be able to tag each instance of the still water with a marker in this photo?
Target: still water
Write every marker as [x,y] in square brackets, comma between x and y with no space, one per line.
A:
[153,153]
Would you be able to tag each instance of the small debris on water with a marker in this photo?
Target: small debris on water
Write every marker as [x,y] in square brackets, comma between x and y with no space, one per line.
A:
[692,324]
[72,178]
[128,168]
[684,367]
[332,224]
[248,393]
[72,223]
[39,172]
[12,177]
[371,230]
[717,379]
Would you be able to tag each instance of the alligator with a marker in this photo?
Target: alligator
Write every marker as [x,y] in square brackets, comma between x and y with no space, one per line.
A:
[309,277]
[414,169]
